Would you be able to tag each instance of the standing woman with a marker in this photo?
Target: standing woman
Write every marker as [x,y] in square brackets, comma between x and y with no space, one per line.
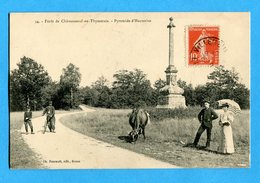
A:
[226,140]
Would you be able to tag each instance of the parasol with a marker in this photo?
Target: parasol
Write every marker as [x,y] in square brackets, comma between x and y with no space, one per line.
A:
[233,106]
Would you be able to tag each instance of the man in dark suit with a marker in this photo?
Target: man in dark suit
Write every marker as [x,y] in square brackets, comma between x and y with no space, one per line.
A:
[205,117]
[50,118]
[28,120]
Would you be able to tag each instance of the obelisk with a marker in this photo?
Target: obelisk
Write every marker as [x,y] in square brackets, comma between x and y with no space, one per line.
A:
[171,94]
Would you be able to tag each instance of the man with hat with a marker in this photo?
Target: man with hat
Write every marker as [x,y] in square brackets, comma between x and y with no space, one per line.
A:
[206,116]
[50,111]
[28,120]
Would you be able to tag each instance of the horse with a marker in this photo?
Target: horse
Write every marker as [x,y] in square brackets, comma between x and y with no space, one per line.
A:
[138,120]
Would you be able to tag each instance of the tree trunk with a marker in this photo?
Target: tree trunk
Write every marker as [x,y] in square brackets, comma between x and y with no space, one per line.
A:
[71,98]
[28,101]
[34,103]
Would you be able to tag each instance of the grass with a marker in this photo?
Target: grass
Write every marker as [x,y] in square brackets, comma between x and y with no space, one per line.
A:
[21,156]
[158,114]
[165,138]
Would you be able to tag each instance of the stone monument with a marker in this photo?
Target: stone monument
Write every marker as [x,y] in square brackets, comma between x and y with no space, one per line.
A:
[171,94]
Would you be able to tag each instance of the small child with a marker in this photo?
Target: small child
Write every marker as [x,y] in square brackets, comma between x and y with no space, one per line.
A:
[27,120]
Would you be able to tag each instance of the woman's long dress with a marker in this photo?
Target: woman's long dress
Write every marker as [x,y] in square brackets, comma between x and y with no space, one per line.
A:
[226,139]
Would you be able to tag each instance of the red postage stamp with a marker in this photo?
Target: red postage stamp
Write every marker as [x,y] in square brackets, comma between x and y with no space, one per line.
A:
[203,45]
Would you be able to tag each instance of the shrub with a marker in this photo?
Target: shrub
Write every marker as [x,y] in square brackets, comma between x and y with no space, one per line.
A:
[178,113]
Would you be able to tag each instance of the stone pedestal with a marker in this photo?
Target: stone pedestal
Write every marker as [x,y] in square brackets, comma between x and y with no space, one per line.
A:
[171,98]
[171,101]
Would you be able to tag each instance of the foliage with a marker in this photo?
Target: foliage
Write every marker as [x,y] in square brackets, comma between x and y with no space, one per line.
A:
[241,95]
[100,84]
[50,93]
[131,89]
[224,78]
[69,83]
[159,84]
[89,96]
[188,92]
[224,83]
[31,83]
[26,84]
[70,76]
[178,113]
[103,92]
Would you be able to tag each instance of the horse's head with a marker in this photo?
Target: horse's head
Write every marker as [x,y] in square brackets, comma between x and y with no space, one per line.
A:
[133,135]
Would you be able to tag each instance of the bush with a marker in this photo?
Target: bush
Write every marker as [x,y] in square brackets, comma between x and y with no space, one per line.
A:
[178,113]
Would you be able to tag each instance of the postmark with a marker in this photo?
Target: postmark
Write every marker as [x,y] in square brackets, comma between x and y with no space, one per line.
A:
[203,45]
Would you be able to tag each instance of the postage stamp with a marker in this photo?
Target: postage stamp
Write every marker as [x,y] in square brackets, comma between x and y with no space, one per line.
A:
[203,45]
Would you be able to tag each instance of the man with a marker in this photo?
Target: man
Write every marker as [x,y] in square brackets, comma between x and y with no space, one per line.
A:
[50,111]
[205,117]
[28,120]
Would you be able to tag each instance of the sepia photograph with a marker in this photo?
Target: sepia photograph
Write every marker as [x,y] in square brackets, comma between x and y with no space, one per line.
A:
[164,90]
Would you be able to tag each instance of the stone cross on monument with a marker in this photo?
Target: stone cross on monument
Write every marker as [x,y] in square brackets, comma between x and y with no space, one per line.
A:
[171,94]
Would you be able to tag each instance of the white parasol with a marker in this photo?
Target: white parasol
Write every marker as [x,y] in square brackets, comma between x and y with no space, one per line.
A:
[233,106]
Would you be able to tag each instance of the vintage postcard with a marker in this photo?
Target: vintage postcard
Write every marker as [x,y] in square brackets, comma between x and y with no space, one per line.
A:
[129,90]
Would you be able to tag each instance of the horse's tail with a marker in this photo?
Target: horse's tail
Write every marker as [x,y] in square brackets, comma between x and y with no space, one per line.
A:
[148,118]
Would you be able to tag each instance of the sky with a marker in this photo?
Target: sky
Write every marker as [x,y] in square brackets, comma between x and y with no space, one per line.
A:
[100,44]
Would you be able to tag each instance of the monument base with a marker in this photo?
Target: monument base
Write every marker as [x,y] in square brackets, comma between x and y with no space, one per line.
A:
[172,101]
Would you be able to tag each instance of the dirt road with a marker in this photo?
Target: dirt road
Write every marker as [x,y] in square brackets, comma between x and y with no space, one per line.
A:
[67,149]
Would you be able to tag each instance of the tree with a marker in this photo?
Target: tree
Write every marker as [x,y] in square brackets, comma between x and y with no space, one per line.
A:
[90,96]
[103,91]
[27,83]
[200,94]
[159,84]
[241,96]
[188,92]
[224,78]
[100,83]
[131,88]
[51,93]
[69,81]
[224,83]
